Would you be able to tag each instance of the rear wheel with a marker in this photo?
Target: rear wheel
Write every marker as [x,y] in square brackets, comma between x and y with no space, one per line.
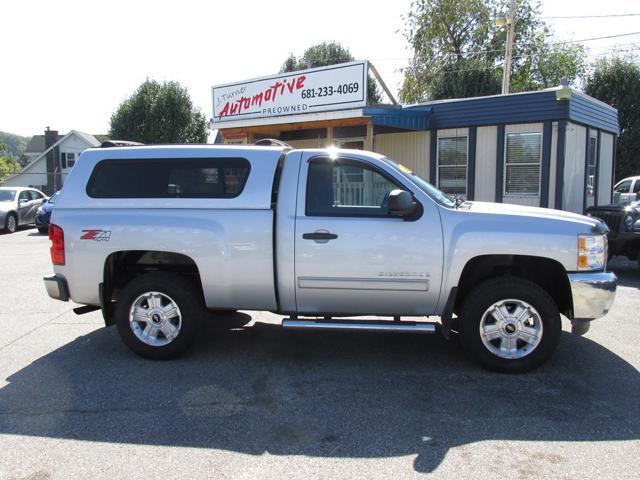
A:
[158,315]
[509,325]
[11,223]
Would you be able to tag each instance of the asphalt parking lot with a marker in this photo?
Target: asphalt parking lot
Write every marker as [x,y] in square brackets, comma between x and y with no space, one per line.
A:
[260,402]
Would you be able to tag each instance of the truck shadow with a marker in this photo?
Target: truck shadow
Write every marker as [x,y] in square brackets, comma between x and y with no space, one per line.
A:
[627,271]
[261,389]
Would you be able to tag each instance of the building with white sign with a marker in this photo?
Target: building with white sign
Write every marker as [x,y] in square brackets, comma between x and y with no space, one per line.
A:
[550,148]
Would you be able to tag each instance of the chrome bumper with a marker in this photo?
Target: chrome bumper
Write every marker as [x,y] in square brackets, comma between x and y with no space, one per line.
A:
[57,287]
[593,294]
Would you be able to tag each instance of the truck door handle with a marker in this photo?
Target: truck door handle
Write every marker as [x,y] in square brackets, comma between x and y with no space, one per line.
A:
[319,236]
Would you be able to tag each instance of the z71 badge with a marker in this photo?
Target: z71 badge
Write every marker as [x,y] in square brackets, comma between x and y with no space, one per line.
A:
[97,235]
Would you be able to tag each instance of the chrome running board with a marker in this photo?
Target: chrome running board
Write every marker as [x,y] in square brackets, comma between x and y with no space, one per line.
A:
[359,325]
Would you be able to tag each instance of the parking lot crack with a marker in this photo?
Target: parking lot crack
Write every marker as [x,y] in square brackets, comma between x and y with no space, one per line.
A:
[26,334]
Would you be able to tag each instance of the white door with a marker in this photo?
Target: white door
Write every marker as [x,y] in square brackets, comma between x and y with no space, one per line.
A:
[351,255]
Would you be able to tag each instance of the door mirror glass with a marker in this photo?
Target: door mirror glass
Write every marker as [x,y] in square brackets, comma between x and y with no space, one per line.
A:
[401,203]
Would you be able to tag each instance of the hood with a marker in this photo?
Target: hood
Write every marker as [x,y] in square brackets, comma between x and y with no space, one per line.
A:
[533,212]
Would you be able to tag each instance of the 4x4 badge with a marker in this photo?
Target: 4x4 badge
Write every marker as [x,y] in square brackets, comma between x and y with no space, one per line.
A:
[97,235]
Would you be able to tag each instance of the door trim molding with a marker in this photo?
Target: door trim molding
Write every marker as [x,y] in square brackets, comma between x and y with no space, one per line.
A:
[346,283]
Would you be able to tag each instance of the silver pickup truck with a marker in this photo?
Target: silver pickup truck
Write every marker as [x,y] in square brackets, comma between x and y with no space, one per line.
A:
[162,237]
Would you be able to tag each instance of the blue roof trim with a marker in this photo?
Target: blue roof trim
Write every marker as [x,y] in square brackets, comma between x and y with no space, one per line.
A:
[397,117]
[592,112]
[519,108]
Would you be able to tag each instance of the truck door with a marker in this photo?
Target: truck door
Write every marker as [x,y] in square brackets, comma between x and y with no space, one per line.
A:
[351,255]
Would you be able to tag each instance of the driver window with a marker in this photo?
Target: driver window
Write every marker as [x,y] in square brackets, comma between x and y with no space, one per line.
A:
[24,195]
[623,187]
[346,187]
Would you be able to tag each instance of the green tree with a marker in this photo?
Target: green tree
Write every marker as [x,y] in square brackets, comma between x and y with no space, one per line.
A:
[458,50]
[616,81]
[15,144]
[324,54]
[159,113]
[8,163]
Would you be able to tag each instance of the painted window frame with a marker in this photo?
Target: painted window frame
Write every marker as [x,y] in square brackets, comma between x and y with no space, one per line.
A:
[593,135]
[506,164]
[466,165]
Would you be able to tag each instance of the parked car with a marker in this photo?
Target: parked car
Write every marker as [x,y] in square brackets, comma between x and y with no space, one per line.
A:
[627,190]
[43,214]
[157,235]
[624,228]
[18,206]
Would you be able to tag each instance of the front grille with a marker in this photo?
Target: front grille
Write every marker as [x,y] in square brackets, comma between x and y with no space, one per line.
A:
[612,219]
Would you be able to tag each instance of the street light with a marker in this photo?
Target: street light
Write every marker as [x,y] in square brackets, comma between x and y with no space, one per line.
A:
[501,21]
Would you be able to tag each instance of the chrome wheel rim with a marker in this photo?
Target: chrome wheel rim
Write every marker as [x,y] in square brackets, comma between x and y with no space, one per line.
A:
[511,329]
[11,223]
[155,319]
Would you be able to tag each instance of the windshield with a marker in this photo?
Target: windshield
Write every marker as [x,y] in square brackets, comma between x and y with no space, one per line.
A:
[7,195]
[425,186]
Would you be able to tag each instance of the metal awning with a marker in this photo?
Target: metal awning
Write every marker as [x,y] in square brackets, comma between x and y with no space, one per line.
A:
[416,118]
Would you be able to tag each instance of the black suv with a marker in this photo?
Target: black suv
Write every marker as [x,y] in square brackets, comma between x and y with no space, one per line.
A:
[624,225]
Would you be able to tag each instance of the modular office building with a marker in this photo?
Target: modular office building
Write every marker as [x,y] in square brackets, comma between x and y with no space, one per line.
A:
[551,148]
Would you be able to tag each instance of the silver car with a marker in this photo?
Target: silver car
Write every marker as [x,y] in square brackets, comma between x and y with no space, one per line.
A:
[18,206]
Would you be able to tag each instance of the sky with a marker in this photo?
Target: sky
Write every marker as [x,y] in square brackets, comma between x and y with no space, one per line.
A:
[67,64]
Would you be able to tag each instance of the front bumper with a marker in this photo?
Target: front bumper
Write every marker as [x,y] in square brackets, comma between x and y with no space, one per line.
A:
[57,287]
[592,293]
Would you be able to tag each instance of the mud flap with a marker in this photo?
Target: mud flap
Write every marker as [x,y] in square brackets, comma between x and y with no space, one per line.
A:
[447,315]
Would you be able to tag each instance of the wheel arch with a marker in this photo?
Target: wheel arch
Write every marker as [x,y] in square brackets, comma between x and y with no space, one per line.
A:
[122,266]
[547,273]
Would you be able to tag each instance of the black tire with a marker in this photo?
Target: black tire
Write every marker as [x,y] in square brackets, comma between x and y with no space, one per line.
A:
[178,289]
[43,229]
[11,227]
[492,291]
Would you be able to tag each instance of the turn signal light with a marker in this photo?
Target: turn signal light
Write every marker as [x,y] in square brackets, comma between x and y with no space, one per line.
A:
[56,237]
[592,252]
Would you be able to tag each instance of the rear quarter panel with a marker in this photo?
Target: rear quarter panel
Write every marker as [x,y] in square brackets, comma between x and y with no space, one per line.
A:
[231,248]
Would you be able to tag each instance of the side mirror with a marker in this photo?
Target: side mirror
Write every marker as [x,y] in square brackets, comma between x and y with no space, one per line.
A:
[22,200]
[401,203]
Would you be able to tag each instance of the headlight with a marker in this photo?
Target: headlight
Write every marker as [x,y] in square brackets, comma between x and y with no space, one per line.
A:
[592,252]
[628,221]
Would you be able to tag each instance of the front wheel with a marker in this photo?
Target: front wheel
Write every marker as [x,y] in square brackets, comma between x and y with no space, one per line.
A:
[510,324]
[158,315]
[11,223]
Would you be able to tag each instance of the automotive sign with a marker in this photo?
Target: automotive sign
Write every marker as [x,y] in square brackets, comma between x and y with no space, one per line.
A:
[335,87]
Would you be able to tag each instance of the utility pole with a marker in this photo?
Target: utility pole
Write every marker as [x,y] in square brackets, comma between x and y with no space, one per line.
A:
[511,24]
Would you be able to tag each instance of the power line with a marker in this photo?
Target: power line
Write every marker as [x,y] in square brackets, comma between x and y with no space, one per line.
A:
[600,38]
[500,50]
[632,48]
[595,16]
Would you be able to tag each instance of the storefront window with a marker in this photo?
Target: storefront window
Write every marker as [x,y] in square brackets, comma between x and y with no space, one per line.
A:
[523,153]
[452,165]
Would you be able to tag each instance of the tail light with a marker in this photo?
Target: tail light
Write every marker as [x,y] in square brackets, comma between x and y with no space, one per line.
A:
[56,237]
